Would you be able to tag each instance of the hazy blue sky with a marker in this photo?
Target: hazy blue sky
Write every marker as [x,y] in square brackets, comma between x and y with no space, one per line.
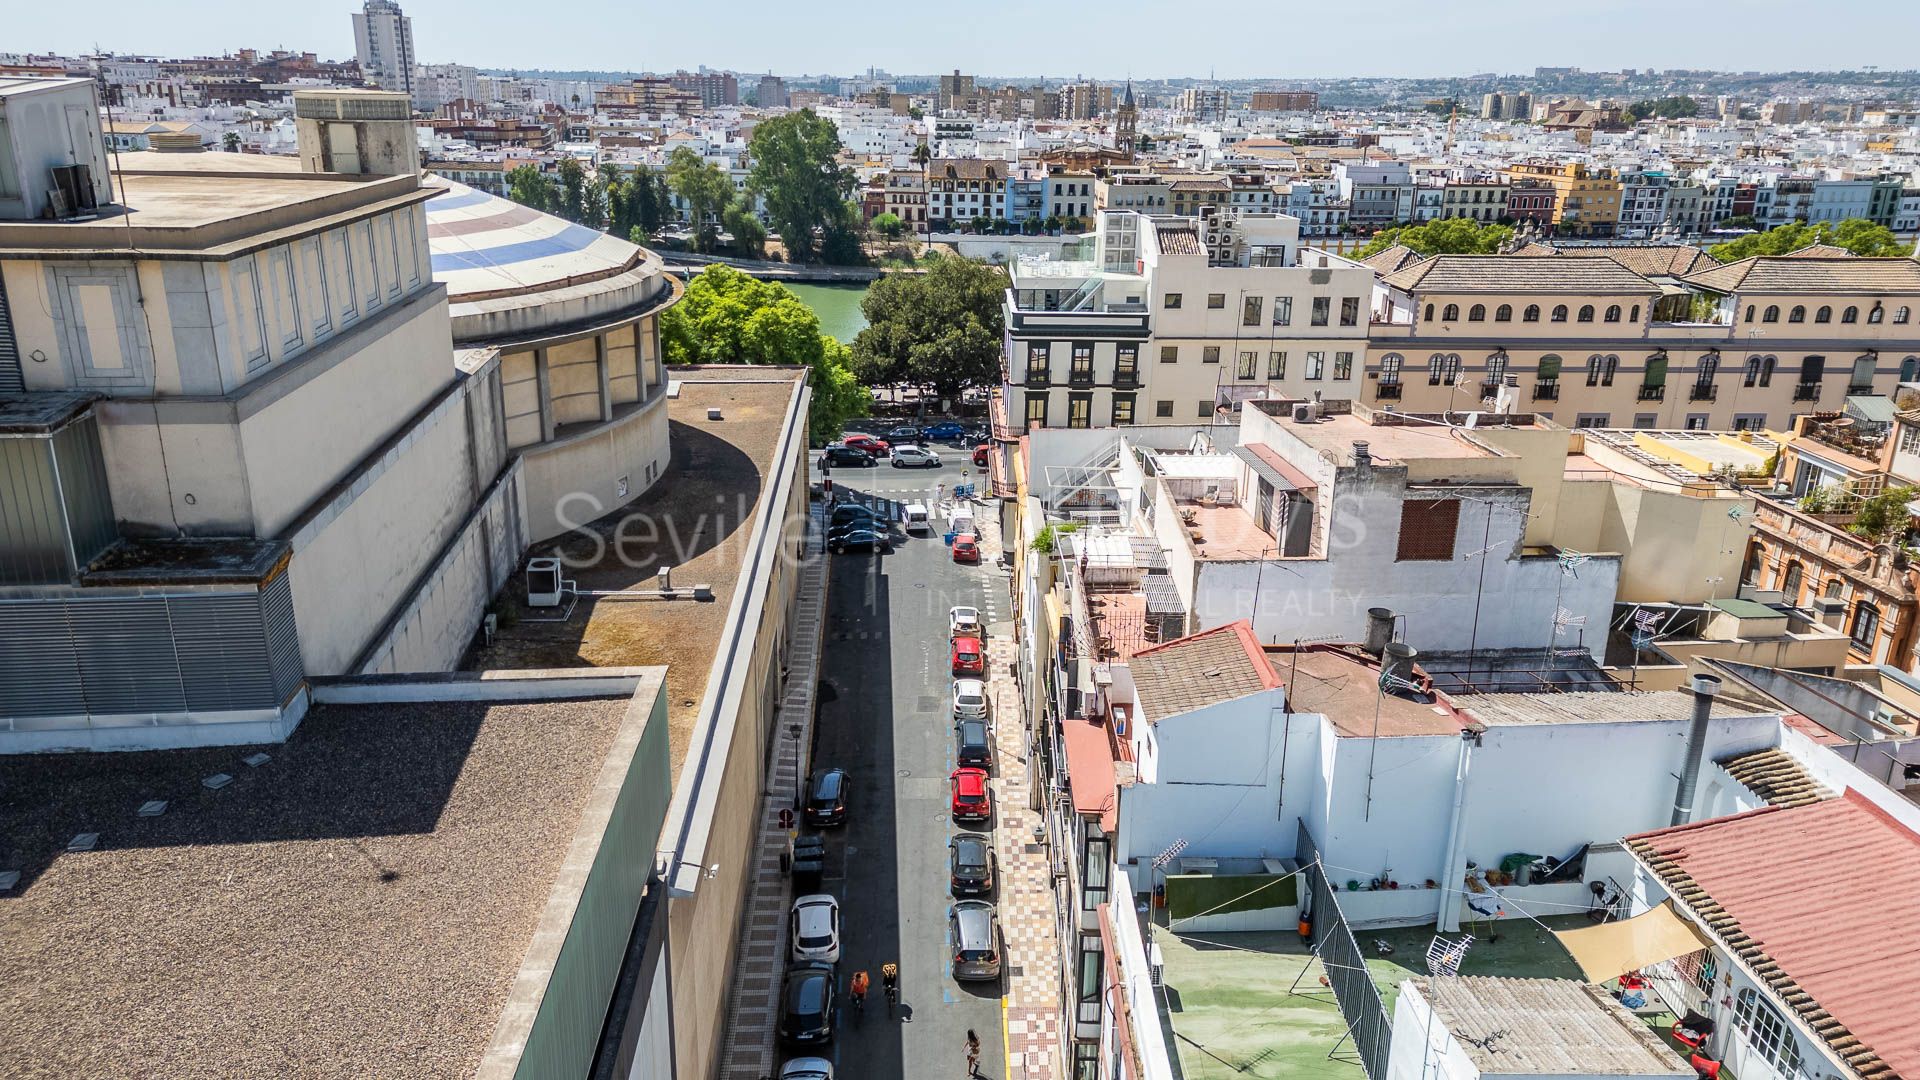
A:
[1233,38]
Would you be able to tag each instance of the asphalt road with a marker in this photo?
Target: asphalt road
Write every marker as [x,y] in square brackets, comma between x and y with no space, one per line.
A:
[885,718]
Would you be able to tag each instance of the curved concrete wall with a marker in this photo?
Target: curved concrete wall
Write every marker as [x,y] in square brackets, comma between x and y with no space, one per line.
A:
[576,479]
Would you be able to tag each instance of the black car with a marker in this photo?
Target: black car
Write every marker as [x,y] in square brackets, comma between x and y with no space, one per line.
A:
[849,457]
[972,747]
[860,540]
[827,798]
[842,531]
[970,863]
[905,433]
[806,1005]
[848,513]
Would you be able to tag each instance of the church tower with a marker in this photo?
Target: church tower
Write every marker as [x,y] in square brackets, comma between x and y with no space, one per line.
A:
[1124,137]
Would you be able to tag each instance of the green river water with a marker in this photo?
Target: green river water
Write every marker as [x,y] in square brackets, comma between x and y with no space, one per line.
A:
[838,307]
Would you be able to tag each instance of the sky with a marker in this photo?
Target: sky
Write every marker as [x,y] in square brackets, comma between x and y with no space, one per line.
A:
[1228,39]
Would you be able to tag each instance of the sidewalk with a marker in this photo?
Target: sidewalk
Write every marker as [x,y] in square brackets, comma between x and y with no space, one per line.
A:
[1028,916]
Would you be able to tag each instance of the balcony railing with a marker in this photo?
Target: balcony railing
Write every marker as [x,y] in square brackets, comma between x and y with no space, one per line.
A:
[1703,392]
[1080,380]
[1807,391]
[1387,391]
[1859,389]
[1039,378]
[1126,380]
[1489,388]
[1653,393]
[1546,391]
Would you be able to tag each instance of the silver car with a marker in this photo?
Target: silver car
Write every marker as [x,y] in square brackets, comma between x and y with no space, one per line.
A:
[973,932]
[969,699]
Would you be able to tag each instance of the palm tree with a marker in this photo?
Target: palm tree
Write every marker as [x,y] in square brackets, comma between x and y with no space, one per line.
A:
[922,156]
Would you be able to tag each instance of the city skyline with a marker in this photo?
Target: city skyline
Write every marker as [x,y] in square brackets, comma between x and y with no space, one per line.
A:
[1433,41]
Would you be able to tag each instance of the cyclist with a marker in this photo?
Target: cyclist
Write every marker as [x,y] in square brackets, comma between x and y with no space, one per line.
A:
[859,990]
[890,978]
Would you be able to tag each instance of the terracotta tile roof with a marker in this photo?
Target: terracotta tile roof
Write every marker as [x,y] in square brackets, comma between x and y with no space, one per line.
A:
[1200,670]
[1547,1027]
[1520,274]
[1178,239]
[1800,275]
[1647,260]
[1774,776]
[964,169]
[1812,898]
[1396,258]
[1820,251]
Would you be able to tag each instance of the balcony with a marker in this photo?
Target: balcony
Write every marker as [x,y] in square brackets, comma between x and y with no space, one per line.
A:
[1653,393]
[1080,380]
[1126,380]
[1859,389]
[1489,389]
[1387,391]
[1703,392]
[1806,391]
[1039,379]
[1546,391]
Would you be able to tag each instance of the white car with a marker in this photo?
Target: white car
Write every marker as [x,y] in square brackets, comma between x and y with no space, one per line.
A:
[814,930]
[913,457]
[969,699]
[807,1068]
[963,622]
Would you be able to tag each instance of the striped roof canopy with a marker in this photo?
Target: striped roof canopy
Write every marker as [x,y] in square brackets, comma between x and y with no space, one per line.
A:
[484,245]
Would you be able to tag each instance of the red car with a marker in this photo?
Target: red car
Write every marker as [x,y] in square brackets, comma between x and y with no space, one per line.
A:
[971,800]
[868,443]
[966,548]
[967,658]
[980,455]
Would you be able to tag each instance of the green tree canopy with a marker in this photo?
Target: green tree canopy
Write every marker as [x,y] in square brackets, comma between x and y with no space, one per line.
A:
[1672,108]
[706,190]
[749,236]
[528,186]
[888,225]
[573,191]
[1883,518]
[1858,235]
[940,329]
[727,317]
[1451,236]
[798,176]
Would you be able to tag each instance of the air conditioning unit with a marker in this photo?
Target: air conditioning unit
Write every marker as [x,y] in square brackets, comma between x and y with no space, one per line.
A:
[545,586]
[1302,413]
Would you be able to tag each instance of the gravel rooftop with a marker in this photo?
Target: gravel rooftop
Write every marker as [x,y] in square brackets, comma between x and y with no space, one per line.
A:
[357,906]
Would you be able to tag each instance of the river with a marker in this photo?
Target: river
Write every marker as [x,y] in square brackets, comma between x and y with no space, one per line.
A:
[837,305]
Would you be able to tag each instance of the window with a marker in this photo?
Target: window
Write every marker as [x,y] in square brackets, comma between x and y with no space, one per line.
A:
[1765,1031]
[1646,420]
[1098,862]
[1429,317]
[1039,356]
[1126,365]
[1249,362]
[1343,365]
[1216,301]
[1812,370]
[1824,315]
[1790,585]
[1169,354]
[1277,365]
[1427,528]
[1037,410]
[1349,311]
[1172,300]
[1316,365]
[1900,315]
[1321,306]
[1600,369]
[1496,368]
[1590,420]
[1798,314]
[1443,368]
[1163,409]
[1079,410]
[1548,370]
[1206,410]
[1082,369]
[1560,313]
[1851,315]
[1390,369]
[1477,313]
[1866,624]
[1876,313]
[1709,367]
[1451,313]
[1772,315]
[1656,371]
[1613,313]
[1283,311]
[1696,422]
[1504,313]
[1749,312]
[1210,354]
[1532,314]
[1250,311]
[1122,409]
[1586,312]
[1908,367]
[1635,317]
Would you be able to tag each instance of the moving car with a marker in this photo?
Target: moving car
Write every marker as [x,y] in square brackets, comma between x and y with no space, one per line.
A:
[969,699]
[860,540]
[814,928]
[980,455]
[919,518]
[968,659]
[806,1004]
[849,456]
[966,549]
[973,930]
[867,444]
[827,798]
[971,799]
[970,863]
[946,431]
[912,457]
[807,1068]
[963,621]
[906,433]
[972,745]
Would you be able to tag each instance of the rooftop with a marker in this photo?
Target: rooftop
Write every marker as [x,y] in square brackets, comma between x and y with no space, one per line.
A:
[1853,275]
[483,244]
[1587,707]
[1775,776]
[1647,260]
[363,898]
[1227,533]
[1342,682]
[1333,437]
[1520,274]
[1845,966]
[696,518]
[1200,670]
[1239,1013]
[1547,1027]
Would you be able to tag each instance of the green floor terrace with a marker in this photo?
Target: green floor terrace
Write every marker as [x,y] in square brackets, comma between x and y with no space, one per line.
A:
[1516,949]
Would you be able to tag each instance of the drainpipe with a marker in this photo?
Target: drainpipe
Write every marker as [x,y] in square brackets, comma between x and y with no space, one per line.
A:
[1453,869]
[1705,687]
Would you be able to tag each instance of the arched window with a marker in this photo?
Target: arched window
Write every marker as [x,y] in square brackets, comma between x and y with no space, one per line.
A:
[1586,312]
[1390,369]
[1443,369]
[1825,314]
[1749,312]
[1477,313]
[1503,313]
[1876,313]
[1798,314]
[1753,371]
[1429,313]
[1760,1024]
[1772,315]
[1908,367]
[1790,585]
[1900,314]
[1866,625]
[1851,315]
[1635,317]
[1613,312]
[1832,591]
[1451,313]
[1532,314]
[1600,369]
[1709,367]
[1496,368]
[1560,312]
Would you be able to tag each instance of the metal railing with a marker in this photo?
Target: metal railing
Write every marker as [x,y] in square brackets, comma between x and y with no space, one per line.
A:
[1345,966]
[1546,391]
[1703,392]
[1653,393]
[1806,391]
[1387,391]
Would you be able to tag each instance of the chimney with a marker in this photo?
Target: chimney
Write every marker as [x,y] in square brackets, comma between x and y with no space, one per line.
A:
[1705,687]
[1379,629]
[1396,663]
[1362,458]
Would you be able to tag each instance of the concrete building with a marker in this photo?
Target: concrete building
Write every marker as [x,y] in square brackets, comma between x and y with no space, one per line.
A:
[1586,201]
[771,93]
[1506,106]
[711,87]
[1378,194]
[383,42]
[1643,203]
[1479,197]
[962,189]
[1201,104]
[435,85]
[906,198]
[1284,101]
[956,92]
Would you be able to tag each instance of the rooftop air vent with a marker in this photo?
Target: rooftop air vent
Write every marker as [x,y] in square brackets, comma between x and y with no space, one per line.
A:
[152,808]
[216,781]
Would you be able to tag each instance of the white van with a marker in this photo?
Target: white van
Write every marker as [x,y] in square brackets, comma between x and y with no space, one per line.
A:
[961,524]
[919,518]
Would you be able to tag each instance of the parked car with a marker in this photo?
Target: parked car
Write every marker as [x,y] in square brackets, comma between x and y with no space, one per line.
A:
[968,657]
[860,540]
[845,529]
[972,745]
[946,431]
[868,444]
[827,797]
[806,1004]
[807,1068]
[850,512]
[966,549]
[963,621]
[970,862]
[980,455]
[969,699]
[973,930]
[814,928]
[971,799]
[851,457]
[906,433]
[912,457]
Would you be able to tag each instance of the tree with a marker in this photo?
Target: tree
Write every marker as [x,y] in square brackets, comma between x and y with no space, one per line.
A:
[888,225]
[749,236]
[1858,235]
[798,177]
[1883,518]
[704,187]
[573,190]
[940,329]
[1672,108]
[727,317]
[528,186]
[1449,236]
[231,142]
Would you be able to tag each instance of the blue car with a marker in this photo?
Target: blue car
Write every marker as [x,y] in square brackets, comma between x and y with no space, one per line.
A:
[947,431]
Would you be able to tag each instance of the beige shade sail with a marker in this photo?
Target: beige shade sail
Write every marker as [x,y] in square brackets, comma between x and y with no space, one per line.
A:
[1612,949]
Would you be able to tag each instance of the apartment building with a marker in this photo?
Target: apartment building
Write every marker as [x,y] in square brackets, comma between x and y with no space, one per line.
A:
[1284,101]
[956,92]
[1586,201]
[961,189]
[1643,203]
[1378,194]
[1532,202]
[906,197]
[383,43]
[1069,194]
[1317,204]
[1481,198]
[711,87]
[650,96]
[1644,337]
[1201,104]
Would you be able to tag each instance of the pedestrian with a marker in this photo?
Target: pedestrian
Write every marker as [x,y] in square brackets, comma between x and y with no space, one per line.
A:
[973,1054]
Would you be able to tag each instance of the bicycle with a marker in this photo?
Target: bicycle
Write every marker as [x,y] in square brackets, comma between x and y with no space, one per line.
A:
[890,979]
[859,992]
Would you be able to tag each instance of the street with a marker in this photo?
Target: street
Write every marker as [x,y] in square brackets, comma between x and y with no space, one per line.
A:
[884,716]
